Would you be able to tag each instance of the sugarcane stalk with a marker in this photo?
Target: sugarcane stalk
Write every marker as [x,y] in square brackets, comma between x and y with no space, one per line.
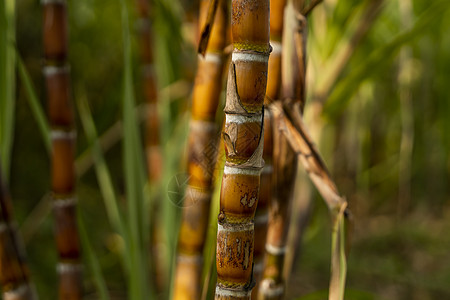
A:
[149,85]
[243,137]
[285,168]
[63,136]
[152,130]
[262,210]
[14,272]
[202,144]
[272,94]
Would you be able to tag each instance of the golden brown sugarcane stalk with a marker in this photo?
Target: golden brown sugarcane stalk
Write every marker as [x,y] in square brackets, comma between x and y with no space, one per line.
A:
[243,140]
[202,143]
[288,118]
[285,169]
[272,93]
[262,210]
[14,273]
[152,139]
[61,118]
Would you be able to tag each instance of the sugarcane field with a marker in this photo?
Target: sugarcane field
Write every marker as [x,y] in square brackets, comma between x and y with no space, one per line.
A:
[224,149]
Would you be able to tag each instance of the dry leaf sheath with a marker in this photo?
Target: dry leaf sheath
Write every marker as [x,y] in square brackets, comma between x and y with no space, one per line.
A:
[289,121]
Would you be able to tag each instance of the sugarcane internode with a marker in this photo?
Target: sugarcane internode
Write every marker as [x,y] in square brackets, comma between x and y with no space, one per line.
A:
[243,140]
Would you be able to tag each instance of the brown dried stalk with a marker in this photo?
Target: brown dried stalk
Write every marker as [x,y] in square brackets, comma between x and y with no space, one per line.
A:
[289,121]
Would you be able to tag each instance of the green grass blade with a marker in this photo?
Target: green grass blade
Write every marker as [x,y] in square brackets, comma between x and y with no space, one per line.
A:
[379,58]
[7,83]
[35,106]
[134,174]
[342,256]
[338,257]
[92,260]
[101,168]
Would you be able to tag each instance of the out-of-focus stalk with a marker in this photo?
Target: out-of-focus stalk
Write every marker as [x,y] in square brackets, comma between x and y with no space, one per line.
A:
[243,140]
[284,159]
[272,94]
[152,130]
[149,87]
[14,273]
[63,135]
[203,144]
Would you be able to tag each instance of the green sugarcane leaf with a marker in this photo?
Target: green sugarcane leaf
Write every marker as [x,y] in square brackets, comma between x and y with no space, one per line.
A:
[92,260]
[101,168]
[34,103]
[7,84]
[380,58]
[134,174]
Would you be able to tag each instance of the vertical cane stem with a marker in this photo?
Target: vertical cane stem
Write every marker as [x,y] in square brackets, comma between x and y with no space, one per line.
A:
[243,140]
[284,162]
[202,143]
[63,136]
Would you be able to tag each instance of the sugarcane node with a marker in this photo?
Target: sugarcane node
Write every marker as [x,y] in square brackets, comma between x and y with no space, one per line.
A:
[20,292]
[55,32]
[228,293]
[70,282]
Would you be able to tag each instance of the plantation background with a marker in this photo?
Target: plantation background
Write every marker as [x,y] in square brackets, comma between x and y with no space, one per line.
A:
[378,108]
